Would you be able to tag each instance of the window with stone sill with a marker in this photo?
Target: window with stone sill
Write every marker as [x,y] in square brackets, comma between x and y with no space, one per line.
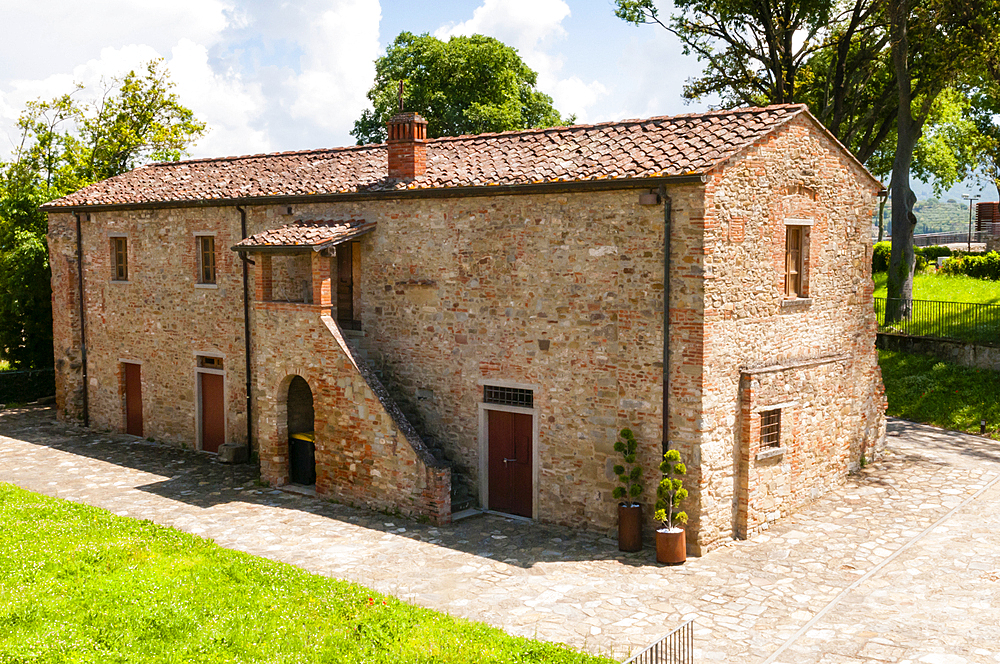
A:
[119,259]
[206,259]
[796,248]
[770,428]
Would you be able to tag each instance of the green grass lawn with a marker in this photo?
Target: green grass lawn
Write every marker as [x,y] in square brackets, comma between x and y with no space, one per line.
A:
[924,389]
[78,584]
[946,288]
[944,306]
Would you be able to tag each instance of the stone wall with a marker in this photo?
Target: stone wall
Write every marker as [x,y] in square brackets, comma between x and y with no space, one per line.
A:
[950,350]
[797,174]
[562,293]
[160,318]
[366,453]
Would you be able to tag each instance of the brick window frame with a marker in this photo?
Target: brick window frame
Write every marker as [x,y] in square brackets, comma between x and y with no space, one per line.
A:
[770,428]
[119,258]
[207,256]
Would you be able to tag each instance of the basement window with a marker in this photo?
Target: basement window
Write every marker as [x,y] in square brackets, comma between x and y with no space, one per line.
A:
[508,396]
[770,428]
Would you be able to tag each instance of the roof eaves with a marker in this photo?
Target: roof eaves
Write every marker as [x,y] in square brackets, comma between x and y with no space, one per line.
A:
[604,184]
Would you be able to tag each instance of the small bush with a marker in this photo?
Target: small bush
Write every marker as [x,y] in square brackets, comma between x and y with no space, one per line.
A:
[977,266]
[880,256]
[882,251]
[933,252]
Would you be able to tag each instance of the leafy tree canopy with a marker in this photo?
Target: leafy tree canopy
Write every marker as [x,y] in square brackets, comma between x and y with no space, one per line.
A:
[466,85]
[66,144]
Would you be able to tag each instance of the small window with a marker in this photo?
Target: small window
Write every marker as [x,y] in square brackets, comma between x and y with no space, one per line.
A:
[206,259]
[508,396]
[119,259]
[793,261]
[770,428]
[206,362]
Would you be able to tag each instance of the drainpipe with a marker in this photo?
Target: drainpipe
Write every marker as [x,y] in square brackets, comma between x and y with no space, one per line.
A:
[667,211]
[246,324]
[83,326]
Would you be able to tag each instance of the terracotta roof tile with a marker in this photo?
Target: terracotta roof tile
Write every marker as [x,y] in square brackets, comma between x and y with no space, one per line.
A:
[308,234]
[656,147]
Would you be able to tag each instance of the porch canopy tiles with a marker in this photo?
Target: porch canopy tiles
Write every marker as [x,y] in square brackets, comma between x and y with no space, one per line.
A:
[302,236]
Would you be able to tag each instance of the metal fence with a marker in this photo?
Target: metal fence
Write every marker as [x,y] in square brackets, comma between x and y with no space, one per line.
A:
[934,239]
[963,321]
[677,647]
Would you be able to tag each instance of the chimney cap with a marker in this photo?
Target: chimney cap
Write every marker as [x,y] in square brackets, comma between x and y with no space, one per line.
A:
[406,117]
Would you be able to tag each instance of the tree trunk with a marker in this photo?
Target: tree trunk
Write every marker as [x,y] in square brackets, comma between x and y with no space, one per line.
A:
[899,298]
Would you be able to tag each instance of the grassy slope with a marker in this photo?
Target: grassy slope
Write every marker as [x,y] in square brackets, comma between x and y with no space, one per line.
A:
[78,584]
[945,288]
[924,389]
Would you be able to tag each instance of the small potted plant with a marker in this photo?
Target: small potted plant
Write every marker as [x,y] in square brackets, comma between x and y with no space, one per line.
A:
[629,511]
[671,547]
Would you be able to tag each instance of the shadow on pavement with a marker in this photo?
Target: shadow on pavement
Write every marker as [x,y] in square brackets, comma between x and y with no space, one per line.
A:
[198,479]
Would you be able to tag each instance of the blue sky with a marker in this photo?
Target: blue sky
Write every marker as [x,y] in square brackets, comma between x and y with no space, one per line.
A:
[269,76]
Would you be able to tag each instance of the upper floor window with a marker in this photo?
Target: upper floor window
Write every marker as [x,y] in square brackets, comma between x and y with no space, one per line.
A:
[206,259]
[796,258]
[119,259]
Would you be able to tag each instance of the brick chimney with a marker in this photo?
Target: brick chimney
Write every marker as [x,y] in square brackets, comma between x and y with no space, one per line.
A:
[407,146]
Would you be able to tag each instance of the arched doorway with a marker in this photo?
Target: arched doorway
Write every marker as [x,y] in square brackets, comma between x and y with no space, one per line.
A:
[301,435]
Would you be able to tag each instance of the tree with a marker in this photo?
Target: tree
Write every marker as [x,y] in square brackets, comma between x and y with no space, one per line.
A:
[66,144]
[828,54]
[467,85]
[935,44]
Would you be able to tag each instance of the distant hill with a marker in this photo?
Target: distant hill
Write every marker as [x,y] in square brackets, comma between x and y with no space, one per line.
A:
[934,216]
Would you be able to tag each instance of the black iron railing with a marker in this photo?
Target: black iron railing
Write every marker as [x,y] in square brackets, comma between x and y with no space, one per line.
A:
[677,647]
[963,321]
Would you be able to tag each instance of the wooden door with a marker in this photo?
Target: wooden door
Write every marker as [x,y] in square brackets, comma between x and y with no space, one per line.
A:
[133,398]
[345,282]
[213,412]
[509,443]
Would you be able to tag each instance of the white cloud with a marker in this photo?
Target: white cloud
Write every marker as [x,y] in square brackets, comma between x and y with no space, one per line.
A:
[229,105]
[533,27]
[263,75]
[338,64]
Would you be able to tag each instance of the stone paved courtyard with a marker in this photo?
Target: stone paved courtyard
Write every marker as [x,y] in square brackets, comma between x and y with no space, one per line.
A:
[902,565]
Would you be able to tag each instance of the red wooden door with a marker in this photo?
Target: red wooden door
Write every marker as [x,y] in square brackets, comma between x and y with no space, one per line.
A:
[133,399]
[509,444]
[213,412]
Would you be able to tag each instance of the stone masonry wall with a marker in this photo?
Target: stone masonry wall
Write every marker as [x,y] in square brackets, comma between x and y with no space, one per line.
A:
[796,174]
[366,453]
[160,318]
[562,293]
[66,316]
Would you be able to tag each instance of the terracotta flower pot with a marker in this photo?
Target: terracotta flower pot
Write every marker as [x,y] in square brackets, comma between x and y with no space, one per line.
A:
[629,527]
[671,546]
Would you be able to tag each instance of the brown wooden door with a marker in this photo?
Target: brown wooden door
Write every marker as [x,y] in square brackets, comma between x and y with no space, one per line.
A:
[509,444]
[213,412]
[133,398]
[345,282]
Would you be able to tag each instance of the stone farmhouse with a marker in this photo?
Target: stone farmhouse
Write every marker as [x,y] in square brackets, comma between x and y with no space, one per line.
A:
[431,324]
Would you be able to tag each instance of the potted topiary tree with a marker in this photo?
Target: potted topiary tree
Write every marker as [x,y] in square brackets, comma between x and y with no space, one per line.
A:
[629,511]
[671,546]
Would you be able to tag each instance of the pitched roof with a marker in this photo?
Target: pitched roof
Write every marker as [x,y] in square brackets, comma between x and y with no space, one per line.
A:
[307,234]
[658,147]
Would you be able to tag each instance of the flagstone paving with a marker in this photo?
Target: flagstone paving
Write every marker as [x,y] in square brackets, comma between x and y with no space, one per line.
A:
[902,565]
